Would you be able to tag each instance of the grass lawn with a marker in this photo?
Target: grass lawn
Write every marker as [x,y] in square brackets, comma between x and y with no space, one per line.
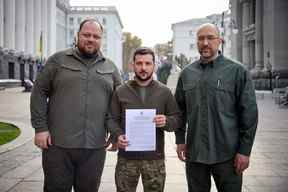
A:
[8,132]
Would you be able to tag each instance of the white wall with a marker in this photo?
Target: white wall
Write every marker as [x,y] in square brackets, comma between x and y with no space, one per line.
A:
[61,30]
[112,37]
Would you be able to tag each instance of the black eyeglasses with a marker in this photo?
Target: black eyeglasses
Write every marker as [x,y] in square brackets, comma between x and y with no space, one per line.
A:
[209,38]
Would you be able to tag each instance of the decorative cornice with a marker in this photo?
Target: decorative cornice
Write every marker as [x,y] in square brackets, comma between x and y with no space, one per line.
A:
[244,1]
[96,9]
[63,5]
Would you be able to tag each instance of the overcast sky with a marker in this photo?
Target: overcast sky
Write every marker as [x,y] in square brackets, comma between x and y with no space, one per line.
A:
[151,20]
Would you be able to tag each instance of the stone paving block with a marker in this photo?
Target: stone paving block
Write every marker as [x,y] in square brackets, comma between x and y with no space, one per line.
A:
[177,179]
[269,181]
[25,170]
[108,174]
[111,158]
[267,172]
[7,184]
[35,176]
[17,157]
[245,189]
[278,156]
[271,148]
[262,169]
[249,180]
[28,187]
[174,166]
[265,189]
[107,187]
[171,187]
[282,172]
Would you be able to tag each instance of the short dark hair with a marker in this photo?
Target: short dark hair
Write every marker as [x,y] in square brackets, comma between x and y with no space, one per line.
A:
[144,51]
[90,20]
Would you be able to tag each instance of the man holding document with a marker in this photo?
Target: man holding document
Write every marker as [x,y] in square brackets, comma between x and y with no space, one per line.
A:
[141,110]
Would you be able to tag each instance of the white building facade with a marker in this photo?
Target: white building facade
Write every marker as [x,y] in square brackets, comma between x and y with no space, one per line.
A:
[32,30]
[261,42]
[184,35]
[27,35]
[23,21]
[184,38]
[109,18]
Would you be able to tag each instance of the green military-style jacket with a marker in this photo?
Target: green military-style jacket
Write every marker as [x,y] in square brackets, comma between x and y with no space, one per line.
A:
[70,99]
[158,97]
[219,105]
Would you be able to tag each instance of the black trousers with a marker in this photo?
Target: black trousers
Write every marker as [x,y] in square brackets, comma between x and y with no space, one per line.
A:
[80,168]
[199,177]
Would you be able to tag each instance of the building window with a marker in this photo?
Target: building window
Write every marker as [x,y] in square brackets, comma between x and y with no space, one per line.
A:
[190,33]
[191,46]
[11,70]
[71,21]
[253,11]
[79,20]
[72,34]
[104,35]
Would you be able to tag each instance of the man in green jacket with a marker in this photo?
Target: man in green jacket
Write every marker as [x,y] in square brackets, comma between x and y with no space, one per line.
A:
[217,100]
[142,93]
[69,106]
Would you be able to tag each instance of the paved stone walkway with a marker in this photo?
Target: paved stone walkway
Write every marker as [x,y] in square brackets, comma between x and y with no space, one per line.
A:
[20,160]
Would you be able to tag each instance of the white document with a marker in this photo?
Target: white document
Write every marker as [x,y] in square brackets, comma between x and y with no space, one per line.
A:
[140,129]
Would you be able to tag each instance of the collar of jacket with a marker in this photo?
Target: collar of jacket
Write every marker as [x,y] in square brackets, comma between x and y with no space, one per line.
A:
[133,83]
[72,52]
[214,63]
[152,86]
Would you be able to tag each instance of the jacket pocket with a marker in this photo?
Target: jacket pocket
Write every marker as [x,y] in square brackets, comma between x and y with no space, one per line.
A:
[191,95]
[70,67]
[224,86]
[223,94]
[68,76]
[106,75]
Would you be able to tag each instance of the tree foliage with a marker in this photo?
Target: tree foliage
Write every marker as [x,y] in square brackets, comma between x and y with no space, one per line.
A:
[129,45]
[182,60]
[164,49]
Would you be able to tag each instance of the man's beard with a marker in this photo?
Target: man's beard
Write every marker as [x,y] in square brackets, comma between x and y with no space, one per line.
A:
[143,79]
[210,55]
[87,53]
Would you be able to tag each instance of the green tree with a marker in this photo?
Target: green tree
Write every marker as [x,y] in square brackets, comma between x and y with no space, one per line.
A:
[129,45]
[164,49]
[182,60]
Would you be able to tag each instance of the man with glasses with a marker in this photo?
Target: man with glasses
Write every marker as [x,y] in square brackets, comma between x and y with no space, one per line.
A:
[217,100]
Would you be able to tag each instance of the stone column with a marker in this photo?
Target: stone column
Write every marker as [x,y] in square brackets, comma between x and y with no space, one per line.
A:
[37,25]
[259,35]
[51,27]
[9,24]
[44,30]
[20,25]
[1,23]
[245,24]
[236,30]
[30,48]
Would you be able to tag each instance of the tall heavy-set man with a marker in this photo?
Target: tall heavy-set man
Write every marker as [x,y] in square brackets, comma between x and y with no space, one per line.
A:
[69,105]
